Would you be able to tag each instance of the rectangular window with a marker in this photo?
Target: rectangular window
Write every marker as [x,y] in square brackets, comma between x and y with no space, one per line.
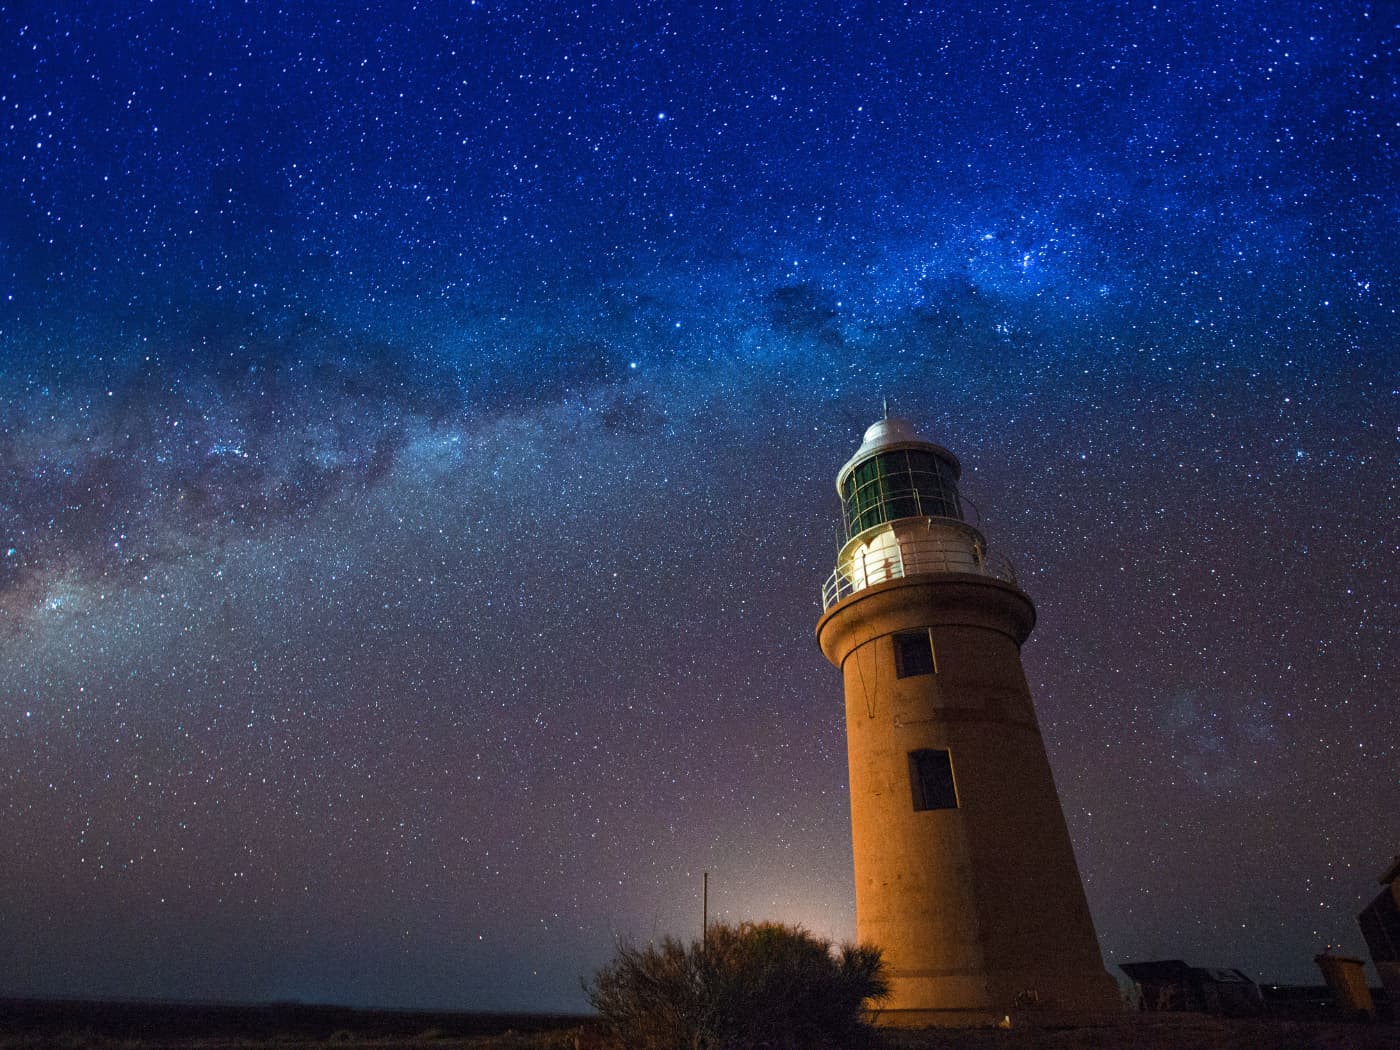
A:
[931,778]
[913,654]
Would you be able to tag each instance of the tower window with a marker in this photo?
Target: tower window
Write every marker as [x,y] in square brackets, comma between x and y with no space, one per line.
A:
[931,778]
[913,654]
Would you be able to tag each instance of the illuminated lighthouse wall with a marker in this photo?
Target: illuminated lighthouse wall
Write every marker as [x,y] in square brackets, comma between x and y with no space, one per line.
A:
[965,876]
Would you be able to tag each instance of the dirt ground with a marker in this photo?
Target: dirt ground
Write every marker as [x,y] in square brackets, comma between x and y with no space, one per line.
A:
[1138,1032]
[1162,1032]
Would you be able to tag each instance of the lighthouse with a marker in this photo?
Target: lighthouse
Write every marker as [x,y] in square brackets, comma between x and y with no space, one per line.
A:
[965,876]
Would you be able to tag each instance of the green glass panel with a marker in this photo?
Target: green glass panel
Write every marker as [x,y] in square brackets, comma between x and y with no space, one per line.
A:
[901,507]
[923,462]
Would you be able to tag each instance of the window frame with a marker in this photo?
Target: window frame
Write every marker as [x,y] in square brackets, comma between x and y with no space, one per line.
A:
[901,666]
[924,800]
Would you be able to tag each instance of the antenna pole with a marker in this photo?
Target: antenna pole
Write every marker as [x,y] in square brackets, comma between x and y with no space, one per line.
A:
[705,915]
[887,407]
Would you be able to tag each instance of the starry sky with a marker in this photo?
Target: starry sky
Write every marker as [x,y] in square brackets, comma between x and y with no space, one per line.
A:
[417,439]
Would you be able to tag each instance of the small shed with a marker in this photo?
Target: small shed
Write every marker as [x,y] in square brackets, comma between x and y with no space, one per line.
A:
[1172,985]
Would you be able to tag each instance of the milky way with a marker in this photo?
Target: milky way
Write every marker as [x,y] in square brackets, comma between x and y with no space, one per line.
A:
[417,436]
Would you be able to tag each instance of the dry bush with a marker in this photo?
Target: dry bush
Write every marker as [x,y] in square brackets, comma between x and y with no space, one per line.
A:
[753,985]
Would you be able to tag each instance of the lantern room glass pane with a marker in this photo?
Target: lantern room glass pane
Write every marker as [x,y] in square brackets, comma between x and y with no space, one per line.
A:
[904,483]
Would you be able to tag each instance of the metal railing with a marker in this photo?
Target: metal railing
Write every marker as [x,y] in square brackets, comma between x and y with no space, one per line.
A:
[905,555]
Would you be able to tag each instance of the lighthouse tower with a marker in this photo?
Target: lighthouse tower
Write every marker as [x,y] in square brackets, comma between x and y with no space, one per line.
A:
[965,876]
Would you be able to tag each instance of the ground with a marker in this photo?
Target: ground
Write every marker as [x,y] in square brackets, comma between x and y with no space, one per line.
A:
[1160,1032]
[37,1024]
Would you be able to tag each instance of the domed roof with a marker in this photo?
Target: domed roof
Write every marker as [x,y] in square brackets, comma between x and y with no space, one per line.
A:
[890,433]
[887,431]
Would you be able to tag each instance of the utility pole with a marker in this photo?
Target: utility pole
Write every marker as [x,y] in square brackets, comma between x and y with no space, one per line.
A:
[705,914]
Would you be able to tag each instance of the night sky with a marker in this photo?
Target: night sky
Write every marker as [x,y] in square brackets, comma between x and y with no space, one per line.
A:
[417,441]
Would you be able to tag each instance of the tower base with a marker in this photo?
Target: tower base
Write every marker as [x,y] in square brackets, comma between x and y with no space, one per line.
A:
[968,1001]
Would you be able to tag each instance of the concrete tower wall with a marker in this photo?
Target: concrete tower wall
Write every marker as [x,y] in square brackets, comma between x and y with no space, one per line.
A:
[977,905]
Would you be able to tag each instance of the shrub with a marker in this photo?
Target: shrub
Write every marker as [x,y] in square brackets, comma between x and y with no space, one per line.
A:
[753,985]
